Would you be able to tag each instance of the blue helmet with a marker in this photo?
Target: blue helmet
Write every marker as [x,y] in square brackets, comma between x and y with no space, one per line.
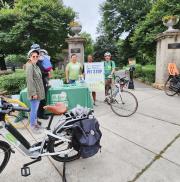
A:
[35,46]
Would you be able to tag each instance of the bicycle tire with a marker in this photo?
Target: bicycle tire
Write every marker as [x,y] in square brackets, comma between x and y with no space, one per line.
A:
[52,145]
[123,108]
[5,154]
[24,123]
[169,91]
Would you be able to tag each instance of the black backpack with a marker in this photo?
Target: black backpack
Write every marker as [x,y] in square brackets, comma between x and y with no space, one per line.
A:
[86,137]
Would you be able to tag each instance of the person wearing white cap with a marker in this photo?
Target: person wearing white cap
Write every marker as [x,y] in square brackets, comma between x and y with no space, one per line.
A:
[35,88]
[41,112]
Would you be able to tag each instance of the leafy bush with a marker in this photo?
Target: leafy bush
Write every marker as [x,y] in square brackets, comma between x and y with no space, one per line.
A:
[138,72]
[13,59]
[58,74]
[14,82]
[145,73]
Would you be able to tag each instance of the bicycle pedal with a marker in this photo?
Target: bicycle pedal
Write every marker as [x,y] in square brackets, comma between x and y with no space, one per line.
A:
[25,171]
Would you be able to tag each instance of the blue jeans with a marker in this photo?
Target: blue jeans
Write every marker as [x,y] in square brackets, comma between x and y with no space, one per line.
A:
[34,104]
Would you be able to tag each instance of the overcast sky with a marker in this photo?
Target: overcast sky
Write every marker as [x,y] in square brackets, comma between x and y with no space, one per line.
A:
[89,13]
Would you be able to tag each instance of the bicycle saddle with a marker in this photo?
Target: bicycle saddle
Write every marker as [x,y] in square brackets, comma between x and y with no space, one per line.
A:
[58,109]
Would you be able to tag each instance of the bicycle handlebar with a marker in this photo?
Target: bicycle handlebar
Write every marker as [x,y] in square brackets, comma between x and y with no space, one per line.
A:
[7,108]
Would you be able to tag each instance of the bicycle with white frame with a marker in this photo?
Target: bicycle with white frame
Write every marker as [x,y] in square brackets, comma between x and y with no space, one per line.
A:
[122,102]
[56,143]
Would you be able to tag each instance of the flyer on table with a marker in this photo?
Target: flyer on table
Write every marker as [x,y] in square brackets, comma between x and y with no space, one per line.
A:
[94,76]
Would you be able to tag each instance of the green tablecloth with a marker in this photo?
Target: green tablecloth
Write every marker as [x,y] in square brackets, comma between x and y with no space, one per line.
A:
[71,95]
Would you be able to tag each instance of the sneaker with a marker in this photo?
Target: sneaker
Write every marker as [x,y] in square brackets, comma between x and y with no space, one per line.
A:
[94,104]
[36,129]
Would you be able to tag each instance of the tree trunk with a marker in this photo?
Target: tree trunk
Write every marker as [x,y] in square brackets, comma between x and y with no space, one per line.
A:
[2,63]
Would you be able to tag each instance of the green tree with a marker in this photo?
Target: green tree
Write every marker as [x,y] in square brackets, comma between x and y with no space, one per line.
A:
[35,21]
[147,30]
[6,4]
[89,44]
[104,44]
[119,17]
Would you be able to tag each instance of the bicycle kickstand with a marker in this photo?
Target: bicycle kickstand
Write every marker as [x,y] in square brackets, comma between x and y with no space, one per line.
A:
[64,171]
[25,170]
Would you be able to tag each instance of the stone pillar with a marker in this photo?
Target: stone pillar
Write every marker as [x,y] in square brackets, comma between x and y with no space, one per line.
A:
[168,51]
[76,46]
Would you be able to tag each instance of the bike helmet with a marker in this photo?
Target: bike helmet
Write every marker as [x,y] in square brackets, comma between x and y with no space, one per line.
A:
[35,46]
[107,54]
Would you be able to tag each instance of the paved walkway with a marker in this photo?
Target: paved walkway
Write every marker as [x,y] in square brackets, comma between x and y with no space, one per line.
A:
[142,148]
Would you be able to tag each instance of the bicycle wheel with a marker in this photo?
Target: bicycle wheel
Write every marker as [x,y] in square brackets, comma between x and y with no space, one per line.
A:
[124,103]
[69,153]
[168,88]
[5,154]
[18,118]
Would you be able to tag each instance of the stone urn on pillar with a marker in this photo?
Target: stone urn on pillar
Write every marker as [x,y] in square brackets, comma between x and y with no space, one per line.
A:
[170,21]
[75,42]
[76,28]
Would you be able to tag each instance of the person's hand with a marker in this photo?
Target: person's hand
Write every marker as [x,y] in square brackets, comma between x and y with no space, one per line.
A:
[34,97]
[110,77]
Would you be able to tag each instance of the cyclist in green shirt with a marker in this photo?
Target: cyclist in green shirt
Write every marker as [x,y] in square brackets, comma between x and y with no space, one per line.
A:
[73,70]
[109,69]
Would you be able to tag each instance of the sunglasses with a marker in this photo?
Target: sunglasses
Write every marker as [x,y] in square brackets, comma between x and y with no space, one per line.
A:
[34,56]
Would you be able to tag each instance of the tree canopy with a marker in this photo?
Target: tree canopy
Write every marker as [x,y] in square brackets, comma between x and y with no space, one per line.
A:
[121,16]
[141,19]
[147,30]
[35,21]
[89,44]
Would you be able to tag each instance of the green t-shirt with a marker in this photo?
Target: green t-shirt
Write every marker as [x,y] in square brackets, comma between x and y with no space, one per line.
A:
[108,66]
[74,70]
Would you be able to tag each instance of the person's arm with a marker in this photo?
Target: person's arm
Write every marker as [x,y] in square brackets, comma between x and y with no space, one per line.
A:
[81,71]
[67,73]
[113,68]
[30,82]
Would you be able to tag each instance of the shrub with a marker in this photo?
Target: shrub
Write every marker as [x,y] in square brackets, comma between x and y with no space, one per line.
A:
[14,82]
[58,74]
[15,60]
[138,71]
[145,73]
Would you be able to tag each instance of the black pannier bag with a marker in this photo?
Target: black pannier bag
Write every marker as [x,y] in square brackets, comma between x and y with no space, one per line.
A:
[86,137]
[175,83]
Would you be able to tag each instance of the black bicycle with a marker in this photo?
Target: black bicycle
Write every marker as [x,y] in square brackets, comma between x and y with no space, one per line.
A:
[172,85]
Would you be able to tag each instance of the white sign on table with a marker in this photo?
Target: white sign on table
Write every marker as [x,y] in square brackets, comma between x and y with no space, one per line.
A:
[94,76]
[55,83]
